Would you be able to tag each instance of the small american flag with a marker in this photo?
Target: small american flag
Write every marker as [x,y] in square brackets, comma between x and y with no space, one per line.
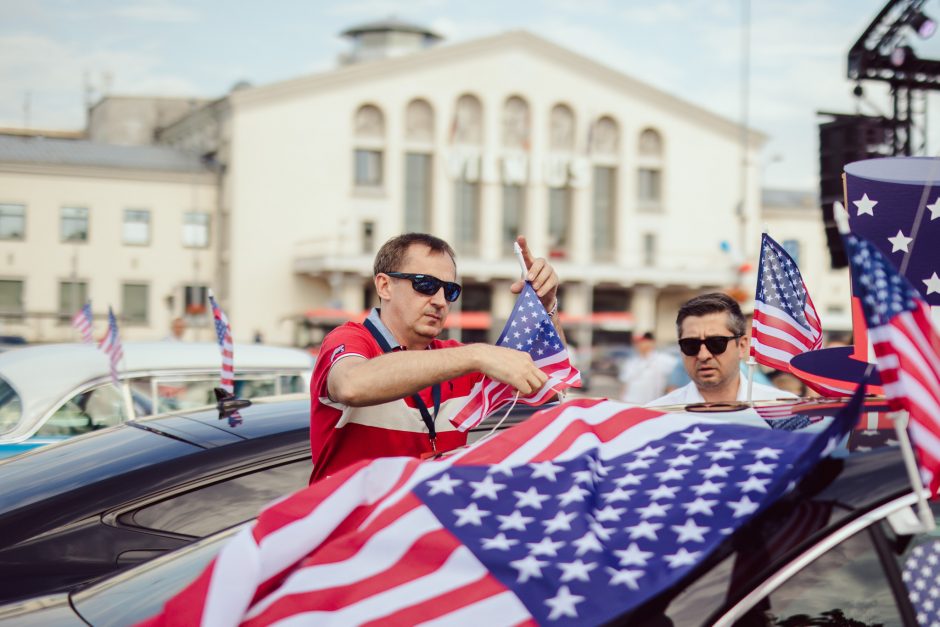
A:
[907,348]
[83,322]
[528,329]
[223,333]
[921,576]
[574,517]
[111,345]
[785,320]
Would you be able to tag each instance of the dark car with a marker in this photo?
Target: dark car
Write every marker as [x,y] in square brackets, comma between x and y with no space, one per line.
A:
[832,553]
[85,507]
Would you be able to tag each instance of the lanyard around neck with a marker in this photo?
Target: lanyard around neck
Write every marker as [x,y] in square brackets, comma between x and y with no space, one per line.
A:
[419,403]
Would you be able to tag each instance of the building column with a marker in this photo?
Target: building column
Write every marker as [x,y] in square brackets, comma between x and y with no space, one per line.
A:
[579,301]
[502,303]
[491,210]
[643,308]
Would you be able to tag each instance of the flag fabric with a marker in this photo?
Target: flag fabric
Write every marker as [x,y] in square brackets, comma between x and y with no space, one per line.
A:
[907,348]
[223,333]
[576,516]
[528,329]
[83,322]
[921,576]
[785,320]
[112,347]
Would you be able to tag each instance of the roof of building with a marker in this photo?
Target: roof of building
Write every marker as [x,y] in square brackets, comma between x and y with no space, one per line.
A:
[53,151]
[389,24]
[788,199]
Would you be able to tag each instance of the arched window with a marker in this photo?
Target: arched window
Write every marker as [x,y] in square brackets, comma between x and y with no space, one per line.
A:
[650,170]
[419,122]
[606,137]
[369,132]
[468,121]
[651,144]
[561,128]
[516,123]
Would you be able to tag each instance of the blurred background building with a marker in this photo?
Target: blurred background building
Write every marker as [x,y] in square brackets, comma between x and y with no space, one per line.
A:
[278,196]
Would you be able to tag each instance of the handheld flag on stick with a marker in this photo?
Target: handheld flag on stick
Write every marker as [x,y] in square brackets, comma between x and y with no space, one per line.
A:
[907,348]
[785,320]
[223,333]
[112,347]
[528,329]
[574,517]
[83,322]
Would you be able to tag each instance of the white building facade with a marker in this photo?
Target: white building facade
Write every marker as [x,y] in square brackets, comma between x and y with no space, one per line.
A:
[629,190]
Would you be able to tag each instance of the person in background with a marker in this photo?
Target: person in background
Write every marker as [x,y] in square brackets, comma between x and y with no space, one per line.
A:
[712,339]
[389,386]
[645,373]
[177,330]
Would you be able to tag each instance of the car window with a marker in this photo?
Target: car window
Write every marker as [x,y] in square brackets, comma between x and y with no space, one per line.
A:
[173,393]
[90,410]
[844,586]
[230,502]
[11,407]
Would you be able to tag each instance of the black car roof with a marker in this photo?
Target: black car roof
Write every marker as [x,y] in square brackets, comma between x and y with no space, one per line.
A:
[106,468]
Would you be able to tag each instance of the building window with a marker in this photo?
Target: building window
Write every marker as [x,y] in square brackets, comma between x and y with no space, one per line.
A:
[135,303]
[12,221]
[467,126]
[561,131]
[649,189]
[419,122]
[368,168]
[649,249]
[11,299]
[72,295]
[368,237]
[792,246]
[417,193]
[74,224]
[195,229]
[195,298]
[513,216]
[467,216]
[369,130]
[605,210]
[605,138]
[516,123]
[559,220]
[137,227]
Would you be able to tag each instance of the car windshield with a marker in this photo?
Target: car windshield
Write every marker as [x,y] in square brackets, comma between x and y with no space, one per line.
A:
[11,407]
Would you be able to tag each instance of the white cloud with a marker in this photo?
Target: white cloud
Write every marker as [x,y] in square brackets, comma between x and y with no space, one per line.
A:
[379,9]
[156,11]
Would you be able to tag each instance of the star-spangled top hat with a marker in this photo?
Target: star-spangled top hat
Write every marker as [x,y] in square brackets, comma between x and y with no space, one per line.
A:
[894,203]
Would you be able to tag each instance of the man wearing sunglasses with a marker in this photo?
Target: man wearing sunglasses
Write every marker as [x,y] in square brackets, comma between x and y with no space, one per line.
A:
[388,386]
[712,339]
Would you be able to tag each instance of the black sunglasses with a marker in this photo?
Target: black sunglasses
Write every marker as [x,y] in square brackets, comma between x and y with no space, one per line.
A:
[716,344]
[428,285]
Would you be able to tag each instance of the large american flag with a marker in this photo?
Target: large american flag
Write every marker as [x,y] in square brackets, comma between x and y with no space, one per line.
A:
[907,348]
[576,516]
[528,329]
[112,347]
[785,320]
[82,321]
[223,333]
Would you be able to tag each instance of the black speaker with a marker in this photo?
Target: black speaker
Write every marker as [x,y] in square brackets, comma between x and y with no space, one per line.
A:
[843,139]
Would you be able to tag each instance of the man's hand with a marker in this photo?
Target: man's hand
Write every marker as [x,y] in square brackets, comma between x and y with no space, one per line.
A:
[509,366]
[540,274]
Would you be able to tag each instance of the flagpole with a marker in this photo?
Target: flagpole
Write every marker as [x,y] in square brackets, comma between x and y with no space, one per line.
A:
[900,419]
[518,250]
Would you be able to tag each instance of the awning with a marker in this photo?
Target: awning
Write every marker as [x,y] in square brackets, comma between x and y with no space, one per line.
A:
[333,316]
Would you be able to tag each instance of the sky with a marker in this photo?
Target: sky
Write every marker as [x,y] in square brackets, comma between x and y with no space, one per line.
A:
[52,51]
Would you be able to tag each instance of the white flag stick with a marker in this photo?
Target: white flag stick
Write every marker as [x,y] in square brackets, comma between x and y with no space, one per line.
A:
[751,364]
[518,250]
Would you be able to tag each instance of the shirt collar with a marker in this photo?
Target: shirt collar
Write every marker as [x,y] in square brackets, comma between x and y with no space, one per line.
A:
[376,319]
